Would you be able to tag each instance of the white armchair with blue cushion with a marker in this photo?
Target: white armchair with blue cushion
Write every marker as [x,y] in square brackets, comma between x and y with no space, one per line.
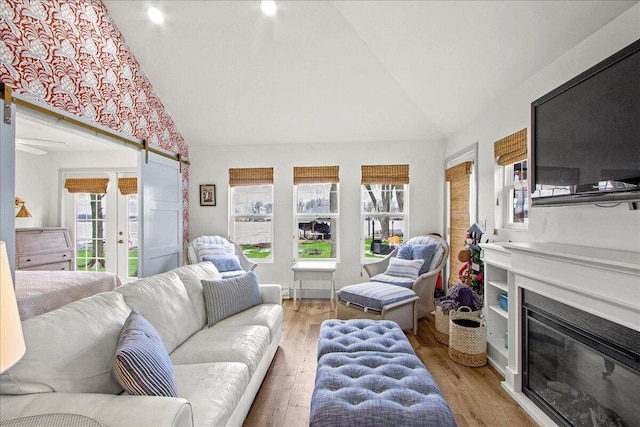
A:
[400,286]
[226,255]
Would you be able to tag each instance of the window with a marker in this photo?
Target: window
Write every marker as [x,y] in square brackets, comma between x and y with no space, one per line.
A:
[384,204]
[516,194]
[103,221]
[128,187]
[251,211]
[511,154]
[90,226]
[316,212]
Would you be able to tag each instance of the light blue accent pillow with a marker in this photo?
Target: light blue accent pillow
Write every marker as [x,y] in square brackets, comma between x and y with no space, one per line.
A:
[424,252]
[418,251]
[225,263]
[404,267]
[405,251]
[142,365]
[226,297]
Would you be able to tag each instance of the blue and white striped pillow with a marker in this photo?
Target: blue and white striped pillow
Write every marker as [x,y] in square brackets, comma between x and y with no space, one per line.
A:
[214,250]
[226,297]
[404,267]
[142,365]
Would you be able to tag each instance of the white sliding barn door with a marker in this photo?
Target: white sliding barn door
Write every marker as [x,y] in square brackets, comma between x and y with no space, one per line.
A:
[161,209]
[8,180]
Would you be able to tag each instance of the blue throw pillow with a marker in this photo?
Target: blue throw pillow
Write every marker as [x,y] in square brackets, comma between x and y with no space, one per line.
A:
[226,297]
[405,251]
[225,263]
[426,253]
[142,365]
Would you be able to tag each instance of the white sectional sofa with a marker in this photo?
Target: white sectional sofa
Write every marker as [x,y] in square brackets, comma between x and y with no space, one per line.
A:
[68,365]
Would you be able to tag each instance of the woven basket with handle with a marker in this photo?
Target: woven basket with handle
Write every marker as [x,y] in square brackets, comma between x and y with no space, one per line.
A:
[467,338]
[442,323]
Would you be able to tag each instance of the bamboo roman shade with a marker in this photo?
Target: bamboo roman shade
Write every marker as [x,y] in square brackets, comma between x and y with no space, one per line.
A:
[87,185]
[250,176]
[385,174]
[316,175]
[458,177]
[128,185]
[511,149]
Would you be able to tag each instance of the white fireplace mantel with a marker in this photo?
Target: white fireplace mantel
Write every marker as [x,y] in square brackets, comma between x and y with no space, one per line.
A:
[602,282]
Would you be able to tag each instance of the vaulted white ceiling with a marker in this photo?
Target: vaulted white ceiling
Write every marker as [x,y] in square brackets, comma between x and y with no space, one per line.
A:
[345,71]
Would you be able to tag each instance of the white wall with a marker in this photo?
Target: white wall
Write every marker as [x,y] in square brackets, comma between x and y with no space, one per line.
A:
[210,165]
[37,179]
[588,225]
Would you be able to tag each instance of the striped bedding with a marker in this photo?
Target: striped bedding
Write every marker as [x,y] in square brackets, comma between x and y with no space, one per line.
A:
[38,292]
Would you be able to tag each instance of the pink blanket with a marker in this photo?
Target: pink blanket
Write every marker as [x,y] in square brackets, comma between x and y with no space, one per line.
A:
[38,292]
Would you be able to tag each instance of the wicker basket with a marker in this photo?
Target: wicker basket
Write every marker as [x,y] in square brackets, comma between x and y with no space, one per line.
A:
[467,338]
[442,323]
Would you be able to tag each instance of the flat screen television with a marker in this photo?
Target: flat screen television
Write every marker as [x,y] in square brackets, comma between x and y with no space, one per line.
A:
[585,135]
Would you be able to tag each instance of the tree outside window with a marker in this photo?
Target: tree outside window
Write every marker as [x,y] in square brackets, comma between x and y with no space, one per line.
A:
[383,218]
[316,221]
[90,224]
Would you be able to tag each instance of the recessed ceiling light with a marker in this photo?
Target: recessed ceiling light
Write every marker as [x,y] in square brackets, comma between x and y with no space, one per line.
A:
[269,7]
[155,15]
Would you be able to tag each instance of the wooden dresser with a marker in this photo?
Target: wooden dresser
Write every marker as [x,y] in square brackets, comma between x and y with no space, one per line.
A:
[46,248]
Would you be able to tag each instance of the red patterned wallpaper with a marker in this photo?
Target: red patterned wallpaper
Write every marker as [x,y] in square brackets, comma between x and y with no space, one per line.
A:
[70,55]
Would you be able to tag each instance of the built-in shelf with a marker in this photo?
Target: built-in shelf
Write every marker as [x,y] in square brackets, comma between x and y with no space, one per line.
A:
[497,262]
[499,284]
[497,309]
[498,344]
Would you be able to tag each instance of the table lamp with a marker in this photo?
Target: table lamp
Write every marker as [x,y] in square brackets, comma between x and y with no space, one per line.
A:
[12,346]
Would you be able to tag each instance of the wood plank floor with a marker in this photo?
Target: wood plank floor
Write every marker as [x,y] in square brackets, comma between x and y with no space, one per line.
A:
[474,394]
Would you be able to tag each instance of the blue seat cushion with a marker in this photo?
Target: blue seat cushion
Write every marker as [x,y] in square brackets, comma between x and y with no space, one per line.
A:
[394,280]
[374,295]
[376,389]
[354,335]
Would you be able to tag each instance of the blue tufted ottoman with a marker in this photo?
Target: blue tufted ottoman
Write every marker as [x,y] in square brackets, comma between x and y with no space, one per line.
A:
[369,375]
[350,336]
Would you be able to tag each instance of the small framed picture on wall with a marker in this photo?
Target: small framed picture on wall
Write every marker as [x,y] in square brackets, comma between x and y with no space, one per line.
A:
[207,195]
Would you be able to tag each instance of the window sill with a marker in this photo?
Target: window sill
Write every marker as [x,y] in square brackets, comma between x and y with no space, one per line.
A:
[510,231]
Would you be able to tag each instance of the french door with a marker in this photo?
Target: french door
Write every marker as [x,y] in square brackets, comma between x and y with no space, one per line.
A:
[103,222]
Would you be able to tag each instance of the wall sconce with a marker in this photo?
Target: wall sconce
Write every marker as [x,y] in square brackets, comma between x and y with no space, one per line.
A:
[23,212]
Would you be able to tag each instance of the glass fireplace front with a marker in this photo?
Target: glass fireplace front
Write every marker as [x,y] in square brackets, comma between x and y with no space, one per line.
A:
[581,369]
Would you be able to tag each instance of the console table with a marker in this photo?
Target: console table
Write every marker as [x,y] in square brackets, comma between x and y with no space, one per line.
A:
[314,270]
